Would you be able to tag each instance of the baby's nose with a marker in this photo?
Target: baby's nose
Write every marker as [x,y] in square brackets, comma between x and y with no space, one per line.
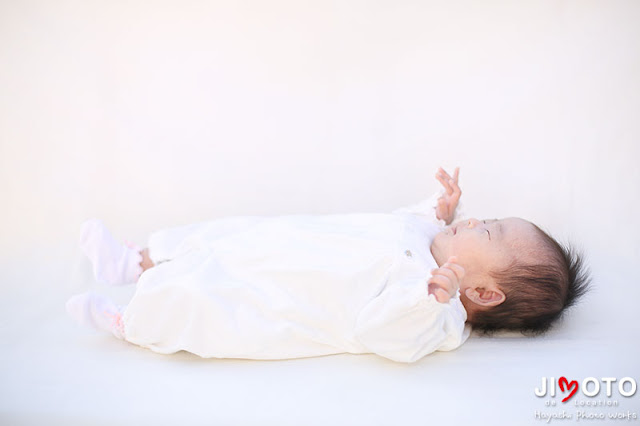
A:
[472,222]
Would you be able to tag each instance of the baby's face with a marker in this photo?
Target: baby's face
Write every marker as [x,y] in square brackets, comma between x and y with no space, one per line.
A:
[485,245]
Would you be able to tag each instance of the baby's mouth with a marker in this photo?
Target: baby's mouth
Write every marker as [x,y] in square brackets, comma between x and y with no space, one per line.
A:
[453,228]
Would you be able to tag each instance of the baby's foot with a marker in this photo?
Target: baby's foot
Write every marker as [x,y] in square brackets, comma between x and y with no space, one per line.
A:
[113,262]
[97,311]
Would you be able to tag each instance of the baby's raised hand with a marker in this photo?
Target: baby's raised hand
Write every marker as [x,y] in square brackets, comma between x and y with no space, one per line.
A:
[448,202]
[445,280]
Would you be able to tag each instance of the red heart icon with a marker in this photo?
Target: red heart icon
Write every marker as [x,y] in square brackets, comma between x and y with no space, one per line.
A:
[569,384]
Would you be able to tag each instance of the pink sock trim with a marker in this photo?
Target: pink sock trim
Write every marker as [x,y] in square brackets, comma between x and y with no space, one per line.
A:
[117,324]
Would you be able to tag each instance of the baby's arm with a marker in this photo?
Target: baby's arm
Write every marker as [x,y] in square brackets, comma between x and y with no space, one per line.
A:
[405,322]
[444,206]
[445,280]
[448,201]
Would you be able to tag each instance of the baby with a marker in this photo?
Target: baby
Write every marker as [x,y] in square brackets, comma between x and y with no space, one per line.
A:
[401,285]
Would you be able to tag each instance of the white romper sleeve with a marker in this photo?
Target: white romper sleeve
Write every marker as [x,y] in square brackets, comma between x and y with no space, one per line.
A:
[404,323]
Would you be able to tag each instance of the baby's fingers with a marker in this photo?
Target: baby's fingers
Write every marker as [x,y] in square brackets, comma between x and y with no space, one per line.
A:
[457,192]
[444,173]
[445,182]
[440,295]
[448,177]
[452,263]
[445,279]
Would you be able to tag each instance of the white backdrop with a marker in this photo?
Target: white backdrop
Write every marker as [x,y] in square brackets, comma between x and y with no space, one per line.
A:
[155,114]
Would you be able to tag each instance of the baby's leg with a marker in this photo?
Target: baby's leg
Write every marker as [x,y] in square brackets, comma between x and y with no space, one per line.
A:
[97,311]
[114,263]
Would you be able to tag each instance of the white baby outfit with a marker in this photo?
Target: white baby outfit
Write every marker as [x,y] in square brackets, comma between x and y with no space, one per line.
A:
[293,286]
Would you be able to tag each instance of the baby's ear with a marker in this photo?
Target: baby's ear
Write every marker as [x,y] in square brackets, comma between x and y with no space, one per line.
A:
[488,297]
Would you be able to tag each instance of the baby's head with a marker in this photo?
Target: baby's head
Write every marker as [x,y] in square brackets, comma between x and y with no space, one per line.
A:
[517,277]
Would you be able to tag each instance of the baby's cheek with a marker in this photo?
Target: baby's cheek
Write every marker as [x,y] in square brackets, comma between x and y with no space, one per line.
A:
[439,241]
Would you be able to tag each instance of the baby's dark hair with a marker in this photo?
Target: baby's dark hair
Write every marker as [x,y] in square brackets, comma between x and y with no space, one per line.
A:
[536,294]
